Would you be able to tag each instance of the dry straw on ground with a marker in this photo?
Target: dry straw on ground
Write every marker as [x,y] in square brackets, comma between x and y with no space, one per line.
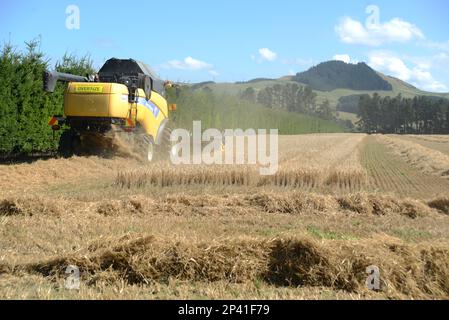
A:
[291,202]
[168,176]
[311,161]
[427,160]
[407,270]
[316,224]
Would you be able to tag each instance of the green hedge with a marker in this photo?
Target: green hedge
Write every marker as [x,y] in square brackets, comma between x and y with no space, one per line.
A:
[24,107]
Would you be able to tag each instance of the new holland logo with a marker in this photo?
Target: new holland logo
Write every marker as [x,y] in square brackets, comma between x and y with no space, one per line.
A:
[89,89]
[150,106]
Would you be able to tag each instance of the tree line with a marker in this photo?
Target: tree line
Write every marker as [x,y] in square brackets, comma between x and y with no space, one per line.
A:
[418,115]
[24,106]
[290,97]
[224,111]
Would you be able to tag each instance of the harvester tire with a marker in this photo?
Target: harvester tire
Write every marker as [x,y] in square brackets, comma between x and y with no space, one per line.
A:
[68,144]
[164,149]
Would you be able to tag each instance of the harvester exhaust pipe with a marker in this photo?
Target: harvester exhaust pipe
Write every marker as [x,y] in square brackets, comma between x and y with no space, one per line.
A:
[52,77]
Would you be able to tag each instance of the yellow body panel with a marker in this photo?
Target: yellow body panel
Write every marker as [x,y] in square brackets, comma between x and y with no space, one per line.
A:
[111,100]
[96,100]
[150,114]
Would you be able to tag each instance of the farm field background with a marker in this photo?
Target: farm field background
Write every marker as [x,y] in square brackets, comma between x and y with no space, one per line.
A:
[338,203]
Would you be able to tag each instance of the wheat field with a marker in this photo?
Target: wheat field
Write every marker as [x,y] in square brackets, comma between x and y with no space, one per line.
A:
[338,204]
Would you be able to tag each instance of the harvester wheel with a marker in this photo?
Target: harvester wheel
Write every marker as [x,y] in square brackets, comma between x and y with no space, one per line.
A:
[166,147]
[68,144]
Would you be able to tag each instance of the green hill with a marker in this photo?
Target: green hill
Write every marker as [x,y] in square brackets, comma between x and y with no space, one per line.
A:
[333,96]
[332,75]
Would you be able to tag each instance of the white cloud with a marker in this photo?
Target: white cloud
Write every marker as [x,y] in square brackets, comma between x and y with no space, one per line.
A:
[442,57]
[392,64]
[396,30]
[342,57]
[418,74]
[267,54]
[443,46]
[439,60]
[214,73]
[188,63]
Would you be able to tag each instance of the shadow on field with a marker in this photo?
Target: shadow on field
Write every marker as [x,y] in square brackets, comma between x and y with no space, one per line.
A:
[20,159]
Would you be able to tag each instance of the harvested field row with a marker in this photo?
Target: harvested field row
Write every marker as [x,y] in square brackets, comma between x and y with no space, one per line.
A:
[318,151]
[425,159]
[444,139]
[168,176]
[439,143]
[307,162]
[320,160]
[406,270]
[283,202]
[43,173]
[389,172]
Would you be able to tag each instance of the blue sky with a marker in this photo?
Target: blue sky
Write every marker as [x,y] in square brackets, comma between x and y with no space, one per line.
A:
[231,40]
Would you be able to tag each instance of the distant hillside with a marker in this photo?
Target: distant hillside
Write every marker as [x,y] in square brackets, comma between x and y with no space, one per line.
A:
[257,80]
[202,84]
[399,87]
[395,86]
[332,75]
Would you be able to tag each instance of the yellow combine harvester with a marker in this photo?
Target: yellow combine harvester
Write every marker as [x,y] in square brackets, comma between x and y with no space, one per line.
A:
[124,100]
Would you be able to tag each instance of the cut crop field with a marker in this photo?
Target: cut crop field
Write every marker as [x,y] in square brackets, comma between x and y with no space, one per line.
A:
[390,173]
[437,142]
[338,204]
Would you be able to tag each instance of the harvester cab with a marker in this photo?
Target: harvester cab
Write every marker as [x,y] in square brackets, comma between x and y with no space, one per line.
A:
[126,101]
